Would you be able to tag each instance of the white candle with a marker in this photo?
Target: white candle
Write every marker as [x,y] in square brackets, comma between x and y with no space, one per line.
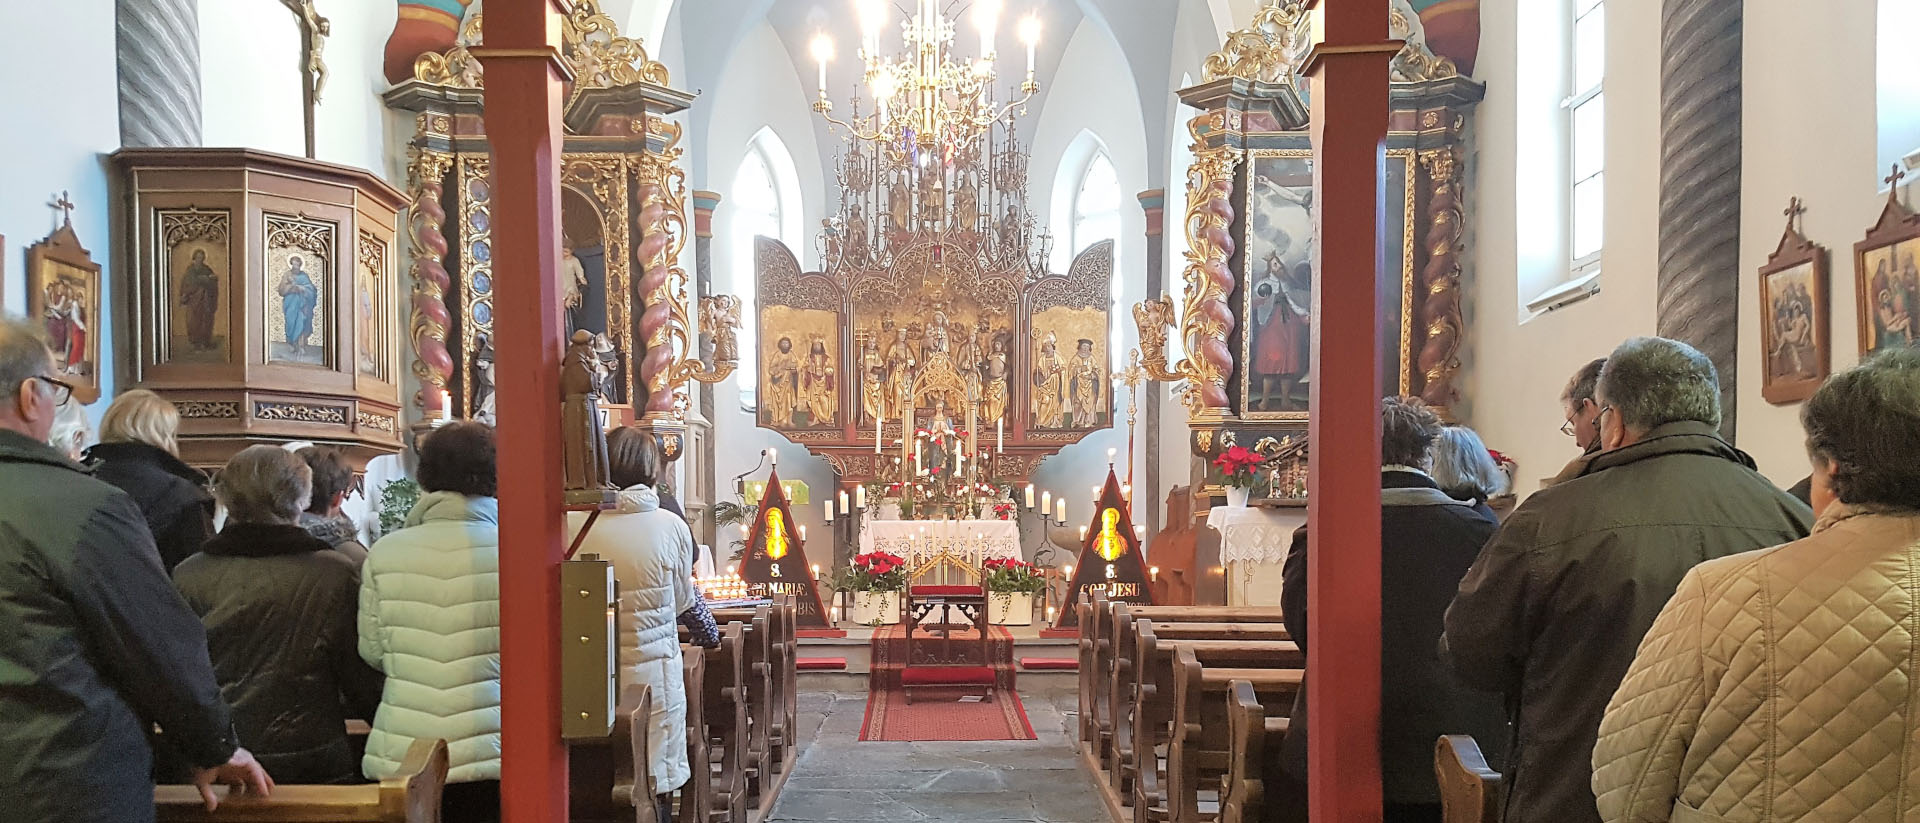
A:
[1000,436]
[816,570]
[843,503]
[860,497]
[1046,501]
[446,406]
[828,506]
[803,534]
[1029,495]
[1126,491]
[1154,572]
[1069,568]
[1110,454]
[1083,533]
[1030,35]
[1061,507]
[773,457]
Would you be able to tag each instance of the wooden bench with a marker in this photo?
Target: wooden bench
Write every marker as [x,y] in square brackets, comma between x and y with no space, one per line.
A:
[610,780]
[1470,792]
[1202,747]
[1099,645]
[1243,790]
[1143,712]
[696,797]
[412,796]
[723,706]
[1120,692]
[757,642]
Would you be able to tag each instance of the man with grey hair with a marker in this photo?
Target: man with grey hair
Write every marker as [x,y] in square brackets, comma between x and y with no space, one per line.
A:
[98,648]
[1556,605]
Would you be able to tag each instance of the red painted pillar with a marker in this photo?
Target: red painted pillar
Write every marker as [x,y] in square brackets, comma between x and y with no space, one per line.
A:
[523,87]
[1349,77]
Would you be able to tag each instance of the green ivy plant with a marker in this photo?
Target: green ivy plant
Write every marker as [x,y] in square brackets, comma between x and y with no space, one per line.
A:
[731,513]
[397,498]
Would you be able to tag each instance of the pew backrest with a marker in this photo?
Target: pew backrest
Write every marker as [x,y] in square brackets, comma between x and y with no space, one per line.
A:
[1469,790]
[412,796]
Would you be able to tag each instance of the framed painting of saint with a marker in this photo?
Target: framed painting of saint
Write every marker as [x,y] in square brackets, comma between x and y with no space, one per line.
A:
[199,283]
[1068,370]
[1887,279]
[800,372]
[299,290]
[1793,317]
[63,293]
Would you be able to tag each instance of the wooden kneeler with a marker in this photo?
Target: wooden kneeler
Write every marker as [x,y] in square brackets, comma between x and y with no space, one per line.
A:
[1469,791]
[412,796]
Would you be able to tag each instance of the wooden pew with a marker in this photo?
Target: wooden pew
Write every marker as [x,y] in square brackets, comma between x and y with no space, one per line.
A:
[1243,790]
[1142,693]
[1470,792]
[1098,680]
[1084,615]
[412,796]
[1120,691]
[696,797]
[611,780]
[780,719]
[723,698]
[1201,747]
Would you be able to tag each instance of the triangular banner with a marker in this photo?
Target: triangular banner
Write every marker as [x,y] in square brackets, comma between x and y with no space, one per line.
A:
[1110,558]
[776,557]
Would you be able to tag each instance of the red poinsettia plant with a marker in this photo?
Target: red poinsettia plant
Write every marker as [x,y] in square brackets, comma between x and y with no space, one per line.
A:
[1006,575]
[1003,510]
[875,571]
[1238,464]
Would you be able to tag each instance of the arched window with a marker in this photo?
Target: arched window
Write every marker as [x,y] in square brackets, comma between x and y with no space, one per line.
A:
[1096,217]
[762,205]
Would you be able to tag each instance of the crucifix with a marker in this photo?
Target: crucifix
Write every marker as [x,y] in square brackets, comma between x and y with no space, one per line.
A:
[314,30]
[1893,183]
[65,206]
[1131,377]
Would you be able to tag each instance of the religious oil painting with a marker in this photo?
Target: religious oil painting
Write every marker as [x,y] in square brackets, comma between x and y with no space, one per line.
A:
[1277,292]
[1068,370]
[63,293]
[1793,312]
[1889,294]
[199,283]
[799,368]
[299,290]
[372,307]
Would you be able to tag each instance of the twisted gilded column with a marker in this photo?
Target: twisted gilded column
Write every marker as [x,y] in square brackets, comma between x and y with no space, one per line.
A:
[658,307]
[157,49]
[426,173]
[1440,317]
[1209,316]
[1699,264]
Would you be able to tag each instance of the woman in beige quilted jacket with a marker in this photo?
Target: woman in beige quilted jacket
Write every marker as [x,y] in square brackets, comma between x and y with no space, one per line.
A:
[1779,684]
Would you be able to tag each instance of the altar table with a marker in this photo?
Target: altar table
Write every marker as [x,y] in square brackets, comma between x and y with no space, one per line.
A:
[973,541]
[1253,549]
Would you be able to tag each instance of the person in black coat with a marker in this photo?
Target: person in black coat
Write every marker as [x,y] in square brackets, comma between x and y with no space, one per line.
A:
[279,606]
[138,452]
[1428,540]
[98,647]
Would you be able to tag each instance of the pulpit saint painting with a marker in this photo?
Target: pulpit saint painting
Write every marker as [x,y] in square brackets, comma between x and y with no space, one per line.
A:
[199,316]
[299,290]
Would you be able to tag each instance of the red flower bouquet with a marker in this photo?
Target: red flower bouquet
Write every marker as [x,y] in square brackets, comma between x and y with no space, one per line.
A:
[875,572]
[1003,510]
[1238,464]
[1009,576]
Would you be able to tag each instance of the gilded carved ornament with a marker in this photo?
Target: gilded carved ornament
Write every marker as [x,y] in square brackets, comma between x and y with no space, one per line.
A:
[591,45]
[1275,44]
[1205,319]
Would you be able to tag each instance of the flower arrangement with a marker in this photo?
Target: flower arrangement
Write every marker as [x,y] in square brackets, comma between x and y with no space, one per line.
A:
[1009,576]
[1238,464]
[1003,510]
[874,572]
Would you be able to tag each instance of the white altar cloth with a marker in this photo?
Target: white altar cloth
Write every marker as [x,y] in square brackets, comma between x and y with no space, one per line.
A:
[1253,550]
[974,541]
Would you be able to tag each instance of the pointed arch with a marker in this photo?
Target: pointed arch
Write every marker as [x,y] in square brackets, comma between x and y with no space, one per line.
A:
[763,201]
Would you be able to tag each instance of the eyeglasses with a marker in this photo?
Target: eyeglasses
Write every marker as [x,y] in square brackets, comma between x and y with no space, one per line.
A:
[1567,428]
[62,390]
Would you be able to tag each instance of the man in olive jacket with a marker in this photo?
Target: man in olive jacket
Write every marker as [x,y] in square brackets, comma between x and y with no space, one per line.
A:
[1556,605]
[97,648]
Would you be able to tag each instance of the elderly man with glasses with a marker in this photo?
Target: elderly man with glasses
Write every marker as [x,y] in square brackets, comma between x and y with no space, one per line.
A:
[99,648]
[1582,419]
[1555,606]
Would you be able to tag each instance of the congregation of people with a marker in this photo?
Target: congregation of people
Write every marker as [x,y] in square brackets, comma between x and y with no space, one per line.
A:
[143,644]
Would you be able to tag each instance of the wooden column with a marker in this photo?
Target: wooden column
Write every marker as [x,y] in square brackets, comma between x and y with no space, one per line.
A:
[1154,203]
[704,203]
[1349,124]
[524,74]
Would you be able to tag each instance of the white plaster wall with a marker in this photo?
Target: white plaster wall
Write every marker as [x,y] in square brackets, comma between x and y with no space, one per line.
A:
[58,92]
[1832,167]
[1516,367]
[759,89]
[1083,100]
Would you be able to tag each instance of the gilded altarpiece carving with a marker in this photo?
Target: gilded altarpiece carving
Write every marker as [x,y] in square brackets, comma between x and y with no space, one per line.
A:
[623,215]
[263,299]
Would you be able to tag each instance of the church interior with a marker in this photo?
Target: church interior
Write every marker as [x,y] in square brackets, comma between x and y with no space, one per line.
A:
[1004,362]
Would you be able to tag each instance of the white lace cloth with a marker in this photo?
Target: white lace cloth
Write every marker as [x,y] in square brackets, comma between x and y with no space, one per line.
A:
[1250,535]
[917,540]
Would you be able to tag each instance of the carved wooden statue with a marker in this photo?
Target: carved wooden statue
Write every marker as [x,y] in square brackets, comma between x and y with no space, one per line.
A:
[583,436]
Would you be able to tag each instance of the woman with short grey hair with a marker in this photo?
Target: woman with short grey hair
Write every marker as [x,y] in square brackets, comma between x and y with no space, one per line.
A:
[279,606]
[1775,684]
[1465,469]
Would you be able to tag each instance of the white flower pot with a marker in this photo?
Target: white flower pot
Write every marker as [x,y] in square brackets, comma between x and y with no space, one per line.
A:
[1010,608]
[873,608]
[1237,496]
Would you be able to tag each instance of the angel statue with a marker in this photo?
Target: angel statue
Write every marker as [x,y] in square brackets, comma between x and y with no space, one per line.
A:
[720,319]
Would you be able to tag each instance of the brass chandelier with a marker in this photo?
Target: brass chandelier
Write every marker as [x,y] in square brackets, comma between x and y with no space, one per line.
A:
[927,97]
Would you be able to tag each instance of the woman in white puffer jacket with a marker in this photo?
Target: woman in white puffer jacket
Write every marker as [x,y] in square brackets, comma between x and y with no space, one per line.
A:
[651,550]
[430,619]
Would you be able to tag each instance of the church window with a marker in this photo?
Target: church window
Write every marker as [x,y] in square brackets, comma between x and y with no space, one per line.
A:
[1096,217]
[1897,86]
[1586,106]
[760,208]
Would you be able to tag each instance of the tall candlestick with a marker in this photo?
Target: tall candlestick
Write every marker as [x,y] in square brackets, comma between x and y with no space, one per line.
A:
[1061,507]
[822,52]
[879,433]
[1000,436]
[1029,495]
[1046,501]
[860,497]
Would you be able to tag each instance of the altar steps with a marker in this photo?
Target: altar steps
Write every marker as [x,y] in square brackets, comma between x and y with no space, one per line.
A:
[856,651]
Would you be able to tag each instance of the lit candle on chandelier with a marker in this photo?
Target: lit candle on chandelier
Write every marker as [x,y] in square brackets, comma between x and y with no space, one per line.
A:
[1046,501]
[823,52]
[1061,507]
[1030,35]
[1029,495]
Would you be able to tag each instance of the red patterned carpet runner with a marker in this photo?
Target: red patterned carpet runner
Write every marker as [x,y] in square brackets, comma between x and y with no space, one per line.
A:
[943,712]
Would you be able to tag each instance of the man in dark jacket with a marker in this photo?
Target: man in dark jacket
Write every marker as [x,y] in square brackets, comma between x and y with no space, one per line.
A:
[98,648]
[279,606]
[1555,607]
[1427,541]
